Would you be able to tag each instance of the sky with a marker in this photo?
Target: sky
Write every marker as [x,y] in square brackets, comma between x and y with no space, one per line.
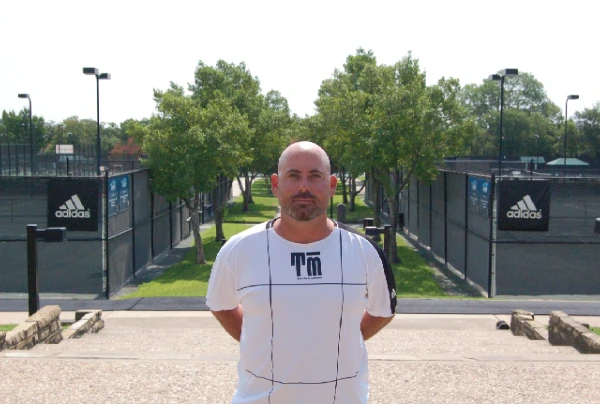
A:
[291,46]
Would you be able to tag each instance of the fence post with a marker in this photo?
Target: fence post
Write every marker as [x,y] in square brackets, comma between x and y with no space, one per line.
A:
[466,263]
[170,225]
[445,218]
[106,234]
[491,241]
[152,224]
[430,215]
[132,224]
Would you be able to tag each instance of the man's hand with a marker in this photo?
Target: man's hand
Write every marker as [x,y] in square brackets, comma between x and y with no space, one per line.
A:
[370,325]
[231,320]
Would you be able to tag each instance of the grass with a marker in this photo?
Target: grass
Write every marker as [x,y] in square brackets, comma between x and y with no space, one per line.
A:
[7,327]
[263,209]
[361,210]
[595,330]
[187,278]
[414,278]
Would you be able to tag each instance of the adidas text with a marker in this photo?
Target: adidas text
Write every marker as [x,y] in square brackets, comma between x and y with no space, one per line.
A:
[73,213]
[524,214]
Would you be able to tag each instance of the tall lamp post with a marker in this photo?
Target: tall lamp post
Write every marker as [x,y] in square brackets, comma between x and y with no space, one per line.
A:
[99,76]
[569,97]
[30,132]
[500,77]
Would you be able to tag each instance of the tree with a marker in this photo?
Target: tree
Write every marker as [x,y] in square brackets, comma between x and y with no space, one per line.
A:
[189,144]
[530,117]
[417,127]
[241,90]
[346,126]
[588,121]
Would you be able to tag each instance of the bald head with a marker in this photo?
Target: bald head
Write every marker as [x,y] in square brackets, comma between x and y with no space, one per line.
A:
[304,148]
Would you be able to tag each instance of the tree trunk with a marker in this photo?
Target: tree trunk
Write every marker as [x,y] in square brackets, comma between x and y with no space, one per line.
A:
[344,191]
[376,199]
[249,181]
[353,194]
[219,202]
[393,201]
[200,259]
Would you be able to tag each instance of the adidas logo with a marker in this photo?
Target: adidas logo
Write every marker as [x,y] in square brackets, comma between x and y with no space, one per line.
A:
[524,209]
[72,208]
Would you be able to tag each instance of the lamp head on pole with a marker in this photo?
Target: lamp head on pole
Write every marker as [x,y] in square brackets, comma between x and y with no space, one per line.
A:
[104,76]
[90,70]
[495,77]
[509,72]
[573,97]
[23,95]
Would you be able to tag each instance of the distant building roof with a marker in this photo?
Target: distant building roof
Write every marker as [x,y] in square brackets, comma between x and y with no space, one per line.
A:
[570,162]
[537,160]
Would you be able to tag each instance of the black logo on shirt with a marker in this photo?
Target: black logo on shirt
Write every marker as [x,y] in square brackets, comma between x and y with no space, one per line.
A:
[310,261]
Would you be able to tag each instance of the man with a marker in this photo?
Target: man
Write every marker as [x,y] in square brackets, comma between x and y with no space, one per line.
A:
[302,293]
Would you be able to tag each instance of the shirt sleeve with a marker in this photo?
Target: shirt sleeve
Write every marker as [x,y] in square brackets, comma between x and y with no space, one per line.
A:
[381,286]
[222,293]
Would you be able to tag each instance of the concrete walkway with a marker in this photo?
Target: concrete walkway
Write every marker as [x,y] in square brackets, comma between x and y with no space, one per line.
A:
[185,357]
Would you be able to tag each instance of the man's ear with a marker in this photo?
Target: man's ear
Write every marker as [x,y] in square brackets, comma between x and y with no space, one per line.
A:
[274,183]
[332,184]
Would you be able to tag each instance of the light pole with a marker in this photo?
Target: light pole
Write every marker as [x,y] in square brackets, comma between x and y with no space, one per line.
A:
[102,76]
[500,77]
[569,97]
[30,132]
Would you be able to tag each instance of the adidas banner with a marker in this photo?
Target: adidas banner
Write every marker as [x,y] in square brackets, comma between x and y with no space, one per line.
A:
[73,204]
[523,205]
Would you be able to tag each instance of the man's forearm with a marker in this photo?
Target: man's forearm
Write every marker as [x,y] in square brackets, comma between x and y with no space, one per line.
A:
[231,320]
[371,325]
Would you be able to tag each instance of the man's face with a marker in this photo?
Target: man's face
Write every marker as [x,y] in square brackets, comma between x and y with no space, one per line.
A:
[303,186]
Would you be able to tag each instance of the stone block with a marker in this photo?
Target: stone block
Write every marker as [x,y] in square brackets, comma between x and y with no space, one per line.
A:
[54,338]
[79,314]
[70,333]
[98,325]
[45,315]
[2,338]
[523,323]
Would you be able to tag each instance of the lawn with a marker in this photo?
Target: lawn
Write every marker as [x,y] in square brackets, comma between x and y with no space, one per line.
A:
[596,330]
[263,209]
[361,210]
[414,278]
[7,327]
[188,278]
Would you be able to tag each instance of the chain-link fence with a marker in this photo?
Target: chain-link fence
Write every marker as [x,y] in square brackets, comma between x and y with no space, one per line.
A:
[457,218]
[133,226]
[82,161]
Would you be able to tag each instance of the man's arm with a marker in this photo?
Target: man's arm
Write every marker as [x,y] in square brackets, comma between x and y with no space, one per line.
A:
[231,320]
[371,325]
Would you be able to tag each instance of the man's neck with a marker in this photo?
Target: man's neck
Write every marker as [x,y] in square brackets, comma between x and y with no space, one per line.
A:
[303,232]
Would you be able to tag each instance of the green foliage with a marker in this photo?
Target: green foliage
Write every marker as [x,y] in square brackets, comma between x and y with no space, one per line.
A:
[531,120]
[189,145]
[188,278]
[7,327]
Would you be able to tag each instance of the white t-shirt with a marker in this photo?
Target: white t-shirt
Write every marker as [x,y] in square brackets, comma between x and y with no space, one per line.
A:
[302,303]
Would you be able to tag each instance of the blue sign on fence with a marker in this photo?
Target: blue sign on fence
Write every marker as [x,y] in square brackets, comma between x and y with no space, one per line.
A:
[479,195]
[118,194]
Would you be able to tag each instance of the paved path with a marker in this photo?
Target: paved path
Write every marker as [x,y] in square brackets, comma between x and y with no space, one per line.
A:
[183,357]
